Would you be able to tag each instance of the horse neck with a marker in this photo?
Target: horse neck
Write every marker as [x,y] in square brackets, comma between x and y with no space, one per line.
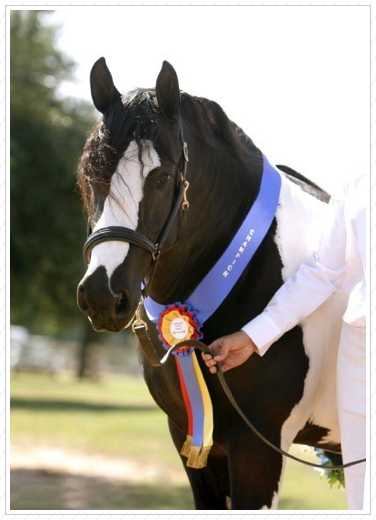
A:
[222,189]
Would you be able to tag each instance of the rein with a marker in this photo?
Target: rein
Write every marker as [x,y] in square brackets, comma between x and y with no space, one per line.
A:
[151,355]
[139,326]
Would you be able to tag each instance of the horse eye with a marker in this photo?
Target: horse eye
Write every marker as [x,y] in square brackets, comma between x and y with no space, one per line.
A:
[164,179]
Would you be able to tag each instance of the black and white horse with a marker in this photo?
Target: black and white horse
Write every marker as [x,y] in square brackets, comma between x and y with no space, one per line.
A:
[129,175]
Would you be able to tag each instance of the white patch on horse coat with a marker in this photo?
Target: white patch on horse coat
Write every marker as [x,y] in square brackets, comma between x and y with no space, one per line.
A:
[299,220]
[121,209]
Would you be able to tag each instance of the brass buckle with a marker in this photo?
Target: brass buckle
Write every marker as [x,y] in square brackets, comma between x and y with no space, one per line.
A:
[185,205]
[138,322]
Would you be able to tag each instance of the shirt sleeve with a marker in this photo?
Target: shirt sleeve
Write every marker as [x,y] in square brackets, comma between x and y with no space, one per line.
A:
[314,281]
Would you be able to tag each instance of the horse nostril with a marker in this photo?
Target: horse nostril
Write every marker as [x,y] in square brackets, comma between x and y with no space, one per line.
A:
[120,298]
[81,300]
[122,304]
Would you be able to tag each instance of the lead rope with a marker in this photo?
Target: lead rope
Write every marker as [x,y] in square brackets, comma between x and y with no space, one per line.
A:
[139,327]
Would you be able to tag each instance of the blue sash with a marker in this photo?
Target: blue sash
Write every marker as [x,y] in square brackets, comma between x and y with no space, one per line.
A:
[218,283]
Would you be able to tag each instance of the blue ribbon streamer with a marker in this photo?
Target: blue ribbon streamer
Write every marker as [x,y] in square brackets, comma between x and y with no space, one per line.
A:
[195,399]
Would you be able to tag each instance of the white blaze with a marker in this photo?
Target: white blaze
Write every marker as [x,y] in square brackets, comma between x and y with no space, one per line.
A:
[122,206]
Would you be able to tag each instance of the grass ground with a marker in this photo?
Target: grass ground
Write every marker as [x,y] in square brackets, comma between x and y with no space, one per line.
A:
[90,445]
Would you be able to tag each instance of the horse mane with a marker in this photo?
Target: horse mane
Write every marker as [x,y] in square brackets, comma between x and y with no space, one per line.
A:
[306,184]
[209,122]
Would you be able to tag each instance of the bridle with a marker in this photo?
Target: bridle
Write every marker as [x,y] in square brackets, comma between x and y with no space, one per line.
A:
[124,234]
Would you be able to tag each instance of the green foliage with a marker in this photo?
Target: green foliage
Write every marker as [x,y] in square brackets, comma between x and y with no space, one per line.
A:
[47,134]
[335,477]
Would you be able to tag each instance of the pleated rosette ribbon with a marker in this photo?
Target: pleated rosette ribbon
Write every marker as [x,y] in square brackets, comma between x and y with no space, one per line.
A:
[178,322]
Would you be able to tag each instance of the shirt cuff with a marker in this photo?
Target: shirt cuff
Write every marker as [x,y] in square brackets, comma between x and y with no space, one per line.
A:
[263,331]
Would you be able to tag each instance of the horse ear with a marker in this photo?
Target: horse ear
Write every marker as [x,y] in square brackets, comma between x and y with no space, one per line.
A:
[103,90]
[167,91]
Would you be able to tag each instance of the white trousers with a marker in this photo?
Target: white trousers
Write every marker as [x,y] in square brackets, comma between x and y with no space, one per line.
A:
[351,390]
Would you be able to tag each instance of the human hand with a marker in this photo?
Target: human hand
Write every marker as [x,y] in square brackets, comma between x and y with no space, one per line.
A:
[229,352]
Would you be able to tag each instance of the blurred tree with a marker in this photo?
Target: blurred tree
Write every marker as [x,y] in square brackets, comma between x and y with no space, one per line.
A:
[47,134]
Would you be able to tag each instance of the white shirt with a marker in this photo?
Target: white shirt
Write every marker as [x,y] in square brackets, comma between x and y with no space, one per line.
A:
[340,262]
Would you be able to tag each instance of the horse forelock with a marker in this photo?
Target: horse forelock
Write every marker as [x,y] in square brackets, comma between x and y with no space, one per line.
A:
[135,118]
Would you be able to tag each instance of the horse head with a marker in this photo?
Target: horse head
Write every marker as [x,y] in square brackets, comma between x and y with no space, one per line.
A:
[129,176]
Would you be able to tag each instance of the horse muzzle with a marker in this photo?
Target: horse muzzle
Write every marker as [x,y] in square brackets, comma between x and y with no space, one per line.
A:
[107,310]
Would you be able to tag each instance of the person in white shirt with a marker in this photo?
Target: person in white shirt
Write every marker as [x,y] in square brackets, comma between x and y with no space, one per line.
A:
[340,263]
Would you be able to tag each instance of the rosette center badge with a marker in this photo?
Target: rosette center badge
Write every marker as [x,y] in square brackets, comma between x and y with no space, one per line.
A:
[178,323]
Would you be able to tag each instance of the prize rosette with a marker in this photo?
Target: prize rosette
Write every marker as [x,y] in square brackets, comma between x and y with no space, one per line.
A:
[178,322]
